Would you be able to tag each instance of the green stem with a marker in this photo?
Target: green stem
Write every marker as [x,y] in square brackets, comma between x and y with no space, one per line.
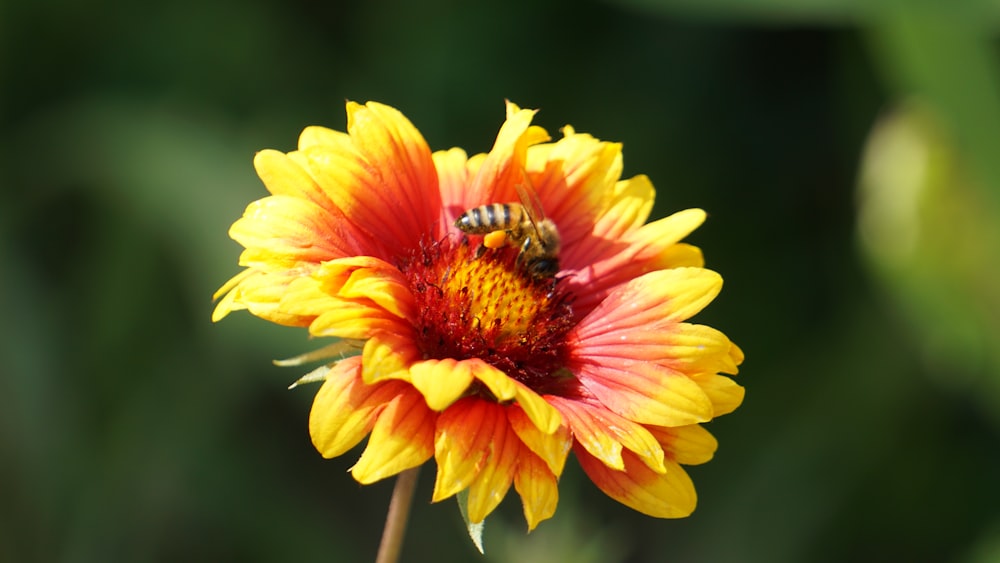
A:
[395,521]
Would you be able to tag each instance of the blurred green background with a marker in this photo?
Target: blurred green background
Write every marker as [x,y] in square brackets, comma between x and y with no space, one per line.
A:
[848,154]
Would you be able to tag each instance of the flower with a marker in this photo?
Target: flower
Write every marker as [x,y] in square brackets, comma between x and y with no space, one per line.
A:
[460,353]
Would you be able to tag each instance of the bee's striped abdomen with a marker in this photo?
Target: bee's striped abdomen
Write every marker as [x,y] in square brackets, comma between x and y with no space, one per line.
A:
[487,218]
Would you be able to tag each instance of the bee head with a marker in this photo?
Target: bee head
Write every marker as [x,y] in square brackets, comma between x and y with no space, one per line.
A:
[543,268]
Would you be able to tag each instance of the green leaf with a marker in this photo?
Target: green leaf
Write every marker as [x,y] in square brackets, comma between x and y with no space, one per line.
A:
[475,529]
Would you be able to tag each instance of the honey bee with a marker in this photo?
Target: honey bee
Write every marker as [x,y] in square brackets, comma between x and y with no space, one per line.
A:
[520,224]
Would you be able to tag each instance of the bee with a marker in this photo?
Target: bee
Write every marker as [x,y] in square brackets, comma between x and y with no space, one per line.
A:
[521,225]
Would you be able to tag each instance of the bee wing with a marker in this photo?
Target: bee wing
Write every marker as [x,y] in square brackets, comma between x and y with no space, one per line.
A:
[531,203]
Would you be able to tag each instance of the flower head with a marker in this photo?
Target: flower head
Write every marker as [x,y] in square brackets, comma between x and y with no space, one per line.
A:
[467,350]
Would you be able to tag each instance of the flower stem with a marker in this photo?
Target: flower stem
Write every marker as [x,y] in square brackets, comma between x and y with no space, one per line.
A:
[395,521]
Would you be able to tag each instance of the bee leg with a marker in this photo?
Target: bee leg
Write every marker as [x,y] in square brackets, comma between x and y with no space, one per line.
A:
[552,289]
[480,250]
[523,252]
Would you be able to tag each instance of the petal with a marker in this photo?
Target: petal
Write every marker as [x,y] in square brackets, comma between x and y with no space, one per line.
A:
[646,393]
[669,494]
[315,135]
[228,303]
[503,168]
[462,443]
[653,237]
[387,287]
[629,207]
[453,181]
[726,395]
[403,437]
[303,294]
[399,155]
[682,347]
[604,433]
[736,353]
[280,231]
[543,415]
[370,208]
[350,318]
[573,178]
[283,175]
[263,294]
[442,382]
[335,273]
[388,355]
[689,445]
[598,265]
[504,388]
[365,281]
[651,300]
[493,482]
[344,408]
[552,448]
[538,488]
[679,255]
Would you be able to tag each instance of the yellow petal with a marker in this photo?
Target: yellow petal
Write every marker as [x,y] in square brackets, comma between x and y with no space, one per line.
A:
[472,166]
[335,273]
[552,448]
[628,208]
[648,394]
[453,179]
[538,488]
[500,385]
[281,231]
[669,230]
[669,494]
[228,304]
[543,415]
[505,388]
[736,353]
[388,356]
[601,265]
[679,255]
[726,395]
[263,293]
[344,408]
[355,319]
[387,288]
[652,299]
[604,433]
[688,445]
[494,480]
[403,437]
[396,152]
[574,177]
[285,177]
[442,382]
[503,167]
[315,135]
[303,296]
[682,347]
[370,208]
[462,443]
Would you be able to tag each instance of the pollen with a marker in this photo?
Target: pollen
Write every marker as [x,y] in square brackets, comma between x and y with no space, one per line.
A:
[475,302]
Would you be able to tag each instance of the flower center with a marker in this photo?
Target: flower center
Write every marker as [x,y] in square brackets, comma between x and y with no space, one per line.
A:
[482,304]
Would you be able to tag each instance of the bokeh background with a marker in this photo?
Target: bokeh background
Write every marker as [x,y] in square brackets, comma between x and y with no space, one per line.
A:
[848,154]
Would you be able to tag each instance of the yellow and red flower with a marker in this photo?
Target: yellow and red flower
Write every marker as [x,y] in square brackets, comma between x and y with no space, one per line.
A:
[464,357]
